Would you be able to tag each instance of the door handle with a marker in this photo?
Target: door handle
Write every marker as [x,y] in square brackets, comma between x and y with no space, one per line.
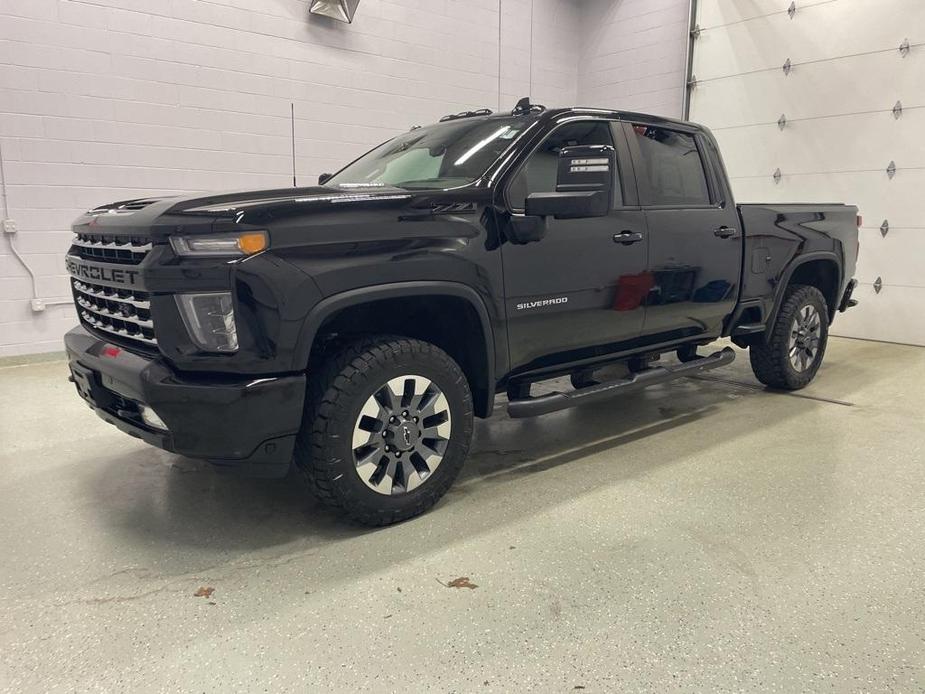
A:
[725,232]
[627,237]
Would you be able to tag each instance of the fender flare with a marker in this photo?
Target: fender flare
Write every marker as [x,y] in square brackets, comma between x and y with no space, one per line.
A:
[331,305]
[798,262]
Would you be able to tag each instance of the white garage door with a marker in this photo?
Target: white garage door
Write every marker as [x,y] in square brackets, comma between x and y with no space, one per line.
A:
[839,133]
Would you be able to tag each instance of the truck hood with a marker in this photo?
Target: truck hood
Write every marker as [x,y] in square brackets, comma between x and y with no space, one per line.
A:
[198,213]
[234,204]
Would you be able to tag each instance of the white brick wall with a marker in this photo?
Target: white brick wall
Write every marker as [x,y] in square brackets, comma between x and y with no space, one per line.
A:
[102,100]
[634,55]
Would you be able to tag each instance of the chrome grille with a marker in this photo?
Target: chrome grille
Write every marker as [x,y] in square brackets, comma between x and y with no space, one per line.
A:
[126,250]
[120,312]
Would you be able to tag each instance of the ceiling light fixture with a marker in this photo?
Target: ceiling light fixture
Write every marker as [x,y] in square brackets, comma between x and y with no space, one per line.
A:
[341,10]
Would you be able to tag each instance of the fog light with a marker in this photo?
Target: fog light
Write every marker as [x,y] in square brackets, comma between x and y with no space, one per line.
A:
[209,319]
[149,417]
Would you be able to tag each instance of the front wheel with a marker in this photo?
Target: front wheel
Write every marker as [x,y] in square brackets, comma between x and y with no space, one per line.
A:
[386,429]
[792,353]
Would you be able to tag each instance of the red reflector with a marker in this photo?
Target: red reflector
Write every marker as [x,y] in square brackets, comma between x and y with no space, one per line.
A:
[860,221]
[111,351]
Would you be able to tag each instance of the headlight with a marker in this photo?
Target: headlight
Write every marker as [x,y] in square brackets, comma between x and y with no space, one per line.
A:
[228,245]
[209,319]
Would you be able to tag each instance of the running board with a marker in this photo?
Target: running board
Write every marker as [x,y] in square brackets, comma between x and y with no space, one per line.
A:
[553,402]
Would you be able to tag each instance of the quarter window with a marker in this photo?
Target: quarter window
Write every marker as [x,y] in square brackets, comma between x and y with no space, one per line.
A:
[672,167]
[539,172]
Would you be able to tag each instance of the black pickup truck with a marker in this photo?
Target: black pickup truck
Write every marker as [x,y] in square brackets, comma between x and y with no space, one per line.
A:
[355,328]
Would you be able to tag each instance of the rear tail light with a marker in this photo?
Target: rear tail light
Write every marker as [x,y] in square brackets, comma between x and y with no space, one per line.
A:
[860,220]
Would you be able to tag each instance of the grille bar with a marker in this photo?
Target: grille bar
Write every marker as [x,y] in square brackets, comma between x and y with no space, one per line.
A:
[106,248]
[110,328]
[129,246]
[105,312]
[99,292]
[121,312]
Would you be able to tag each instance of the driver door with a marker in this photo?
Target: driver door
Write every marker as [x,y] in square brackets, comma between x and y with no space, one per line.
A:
[579,291]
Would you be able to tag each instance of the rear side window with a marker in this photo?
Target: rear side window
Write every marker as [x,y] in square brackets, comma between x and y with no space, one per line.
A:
[671,166]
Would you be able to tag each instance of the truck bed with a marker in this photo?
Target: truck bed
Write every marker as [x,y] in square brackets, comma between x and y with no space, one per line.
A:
[775,233]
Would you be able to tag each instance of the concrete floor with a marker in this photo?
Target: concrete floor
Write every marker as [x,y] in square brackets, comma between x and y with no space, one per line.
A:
[703,535]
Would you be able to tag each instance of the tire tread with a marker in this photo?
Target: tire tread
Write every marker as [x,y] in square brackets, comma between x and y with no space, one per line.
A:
[328,398]
[769,358]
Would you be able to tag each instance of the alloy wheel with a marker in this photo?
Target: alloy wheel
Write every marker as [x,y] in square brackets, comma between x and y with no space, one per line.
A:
[401,435]
[805,335]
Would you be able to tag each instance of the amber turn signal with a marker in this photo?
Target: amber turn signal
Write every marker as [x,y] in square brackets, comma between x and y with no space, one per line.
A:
[252,242]
[221,245]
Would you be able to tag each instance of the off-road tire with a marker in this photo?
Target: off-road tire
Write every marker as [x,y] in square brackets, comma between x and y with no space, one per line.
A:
[337,392]
[770,358]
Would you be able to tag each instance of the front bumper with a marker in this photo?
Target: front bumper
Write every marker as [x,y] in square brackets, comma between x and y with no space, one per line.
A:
[249,424]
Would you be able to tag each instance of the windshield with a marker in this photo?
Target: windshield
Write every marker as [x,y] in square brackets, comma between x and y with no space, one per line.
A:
[445,155]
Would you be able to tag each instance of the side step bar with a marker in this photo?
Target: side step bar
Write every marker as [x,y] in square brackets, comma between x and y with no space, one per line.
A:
[544,404]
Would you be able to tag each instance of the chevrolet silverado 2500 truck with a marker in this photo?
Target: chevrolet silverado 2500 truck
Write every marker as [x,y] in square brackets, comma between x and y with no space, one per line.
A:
[355,328]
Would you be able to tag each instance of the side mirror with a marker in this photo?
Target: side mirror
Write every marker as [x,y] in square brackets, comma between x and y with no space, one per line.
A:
[584,185]
[324,178]
[584,188]
[567,205]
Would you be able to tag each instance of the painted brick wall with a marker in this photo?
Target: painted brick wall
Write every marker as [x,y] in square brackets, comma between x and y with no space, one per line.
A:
[102,100]
[634,55]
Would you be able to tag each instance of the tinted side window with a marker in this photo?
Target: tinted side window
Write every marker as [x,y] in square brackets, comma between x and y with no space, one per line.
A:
[672,167]
[538,174]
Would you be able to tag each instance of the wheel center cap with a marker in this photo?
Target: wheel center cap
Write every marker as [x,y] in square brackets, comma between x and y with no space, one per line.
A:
[404,436]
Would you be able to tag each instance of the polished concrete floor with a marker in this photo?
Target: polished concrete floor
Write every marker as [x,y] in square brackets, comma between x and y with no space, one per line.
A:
[705,535]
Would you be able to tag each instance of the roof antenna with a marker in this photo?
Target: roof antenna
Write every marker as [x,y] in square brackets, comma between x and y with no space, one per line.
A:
[524,107]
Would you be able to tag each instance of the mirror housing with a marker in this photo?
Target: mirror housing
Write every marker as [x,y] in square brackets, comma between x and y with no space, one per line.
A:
[571,205]
[588,168]
[584,188]
[584,185]
[324,178]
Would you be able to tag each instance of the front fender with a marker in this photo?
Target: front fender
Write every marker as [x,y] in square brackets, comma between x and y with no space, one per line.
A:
[332,305]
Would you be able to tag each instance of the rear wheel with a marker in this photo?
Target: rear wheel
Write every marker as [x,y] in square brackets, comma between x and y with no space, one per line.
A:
[386,430]
[793,352]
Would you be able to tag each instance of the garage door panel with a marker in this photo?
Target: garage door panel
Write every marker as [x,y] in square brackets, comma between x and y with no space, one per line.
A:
[840,133]
[712,13]
[766,42]
[829,144]
[849,85]
[896,258]
[893,315]
[899,200]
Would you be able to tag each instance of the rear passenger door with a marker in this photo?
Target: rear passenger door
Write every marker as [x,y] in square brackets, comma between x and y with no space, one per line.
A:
[695,245]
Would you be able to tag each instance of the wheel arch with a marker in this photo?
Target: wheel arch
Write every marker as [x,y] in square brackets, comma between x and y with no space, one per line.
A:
[821,270]
[450,315]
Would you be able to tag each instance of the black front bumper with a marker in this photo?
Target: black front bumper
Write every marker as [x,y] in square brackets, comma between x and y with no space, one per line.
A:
[248,424]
